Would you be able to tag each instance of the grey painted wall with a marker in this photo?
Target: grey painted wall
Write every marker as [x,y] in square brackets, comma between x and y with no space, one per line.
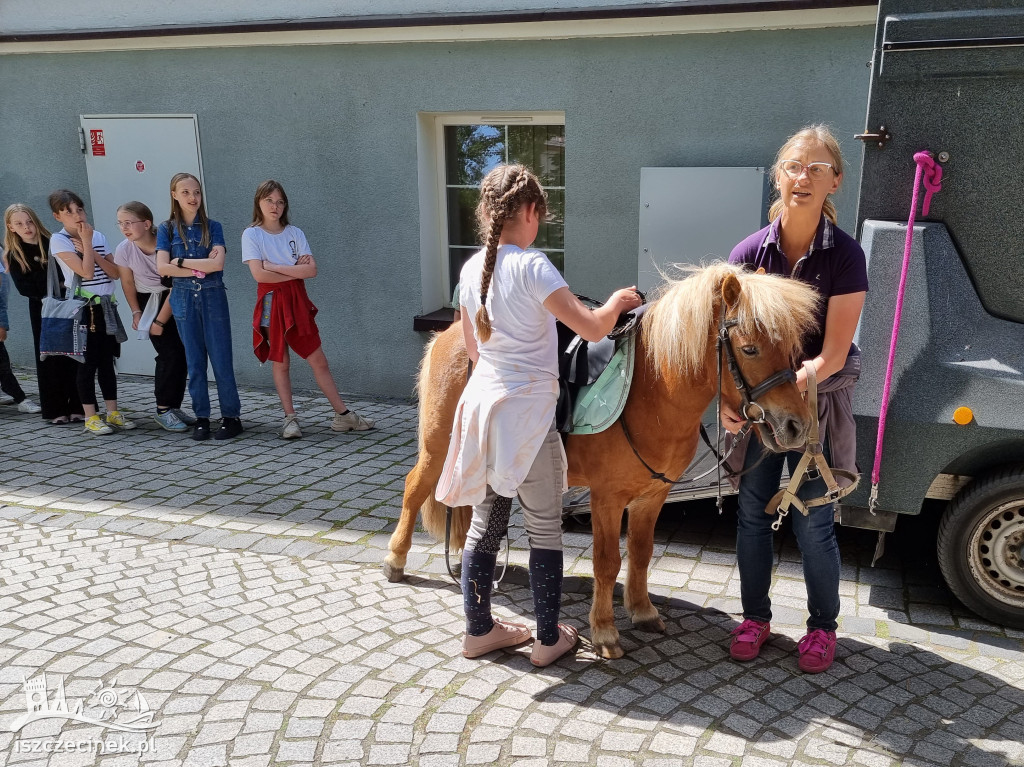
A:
[337,125]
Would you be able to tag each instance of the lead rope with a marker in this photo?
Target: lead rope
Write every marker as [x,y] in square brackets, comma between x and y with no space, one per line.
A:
[931,173]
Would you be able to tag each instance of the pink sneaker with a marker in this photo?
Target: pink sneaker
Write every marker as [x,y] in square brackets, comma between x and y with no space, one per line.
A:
[817,651]
[502,634]
[747,639]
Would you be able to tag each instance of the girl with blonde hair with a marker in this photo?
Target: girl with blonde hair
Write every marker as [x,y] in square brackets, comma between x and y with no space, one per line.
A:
[803,242]
[26,249]
[190,248]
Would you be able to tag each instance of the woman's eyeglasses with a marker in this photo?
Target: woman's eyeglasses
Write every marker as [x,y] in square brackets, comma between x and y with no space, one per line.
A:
[815,170]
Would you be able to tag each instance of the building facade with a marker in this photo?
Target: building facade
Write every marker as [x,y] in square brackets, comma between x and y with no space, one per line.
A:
[379,123]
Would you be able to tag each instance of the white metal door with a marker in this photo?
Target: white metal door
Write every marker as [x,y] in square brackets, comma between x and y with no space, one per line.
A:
[690,215]
[133,157]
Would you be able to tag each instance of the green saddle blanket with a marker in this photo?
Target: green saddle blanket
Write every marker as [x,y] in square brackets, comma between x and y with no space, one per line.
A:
[599,405]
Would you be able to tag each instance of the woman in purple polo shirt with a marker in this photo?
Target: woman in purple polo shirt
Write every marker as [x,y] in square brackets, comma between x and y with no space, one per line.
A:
[803,242]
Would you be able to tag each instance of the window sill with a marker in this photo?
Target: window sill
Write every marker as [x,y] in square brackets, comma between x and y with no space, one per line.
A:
[438,320]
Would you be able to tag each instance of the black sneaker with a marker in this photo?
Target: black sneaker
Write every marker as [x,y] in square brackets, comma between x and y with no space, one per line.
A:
[201,430]
[229,427]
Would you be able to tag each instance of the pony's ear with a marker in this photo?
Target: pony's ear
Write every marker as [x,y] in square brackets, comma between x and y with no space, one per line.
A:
[760,270]
[731,290]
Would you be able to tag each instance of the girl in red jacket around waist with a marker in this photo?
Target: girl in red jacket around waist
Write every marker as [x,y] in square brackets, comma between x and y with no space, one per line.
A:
[279,258]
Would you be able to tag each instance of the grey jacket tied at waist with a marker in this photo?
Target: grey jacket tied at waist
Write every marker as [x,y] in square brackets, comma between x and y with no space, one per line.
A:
[837,427]
[112,319]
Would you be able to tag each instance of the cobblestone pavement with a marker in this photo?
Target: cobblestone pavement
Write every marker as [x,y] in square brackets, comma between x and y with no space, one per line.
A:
[237,585]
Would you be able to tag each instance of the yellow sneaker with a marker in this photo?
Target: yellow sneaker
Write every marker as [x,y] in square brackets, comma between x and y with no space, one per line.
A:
[116,419]
[94,425]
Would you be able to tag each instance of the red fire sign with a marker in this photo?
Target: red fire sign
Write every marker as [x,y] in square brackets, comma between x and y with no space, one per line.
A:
[99,149]
[140,166]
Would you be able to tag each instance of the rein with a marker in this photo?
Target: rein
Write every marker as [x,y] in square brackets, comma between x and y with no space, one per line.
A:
[931,173]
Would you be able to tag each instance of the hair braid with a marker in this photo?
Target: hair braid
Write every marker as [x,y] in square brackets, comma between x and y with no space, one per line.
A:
[503,192]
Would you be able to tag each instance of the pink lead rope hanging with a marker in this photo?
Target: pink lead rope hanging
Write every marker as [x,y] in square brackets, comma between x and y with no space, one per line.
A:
[931,173]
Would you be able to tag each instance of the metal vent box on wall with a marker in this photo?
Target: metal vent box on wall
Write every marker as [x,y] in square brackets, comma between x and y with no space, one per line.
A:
[694,215]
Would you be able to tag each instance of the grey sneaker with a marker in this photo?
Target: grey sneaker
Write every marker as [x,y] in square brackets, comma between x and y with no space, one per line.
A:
[184,417]
[291,428]
[170,421]
[28,406]
[6,399]
[350,422]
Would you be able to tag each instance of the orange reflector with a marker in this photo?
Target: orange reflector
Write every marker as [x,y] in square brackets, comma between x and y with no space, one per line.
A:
[963,415]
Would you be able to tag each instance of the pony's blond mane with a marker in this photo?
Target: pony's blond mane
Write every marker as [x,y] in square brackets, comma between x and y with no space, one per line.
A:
[677,327]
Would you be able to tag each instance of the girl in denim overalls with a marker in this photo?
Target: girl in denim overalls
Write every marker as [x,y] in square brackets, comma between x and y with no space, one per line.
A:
[190,248]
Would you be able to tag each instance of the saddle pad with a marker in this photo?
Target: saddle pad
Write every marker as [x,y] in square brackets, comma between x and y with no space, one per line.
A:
[600,404]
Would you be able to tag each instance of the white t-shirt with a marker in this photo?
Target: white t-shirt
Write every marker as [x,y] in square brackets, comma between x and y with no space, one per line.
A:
[283,249]
[142,264]
[508,406]
[99,284]
[523,336]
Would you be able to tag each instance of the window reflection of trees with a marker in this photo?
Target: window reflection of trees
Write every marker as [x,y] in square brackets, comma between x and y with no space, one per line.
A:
[471,151]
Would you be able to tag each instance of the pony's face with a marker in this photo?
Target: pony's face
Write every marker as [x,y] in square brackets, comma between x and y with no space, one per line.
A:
[780,414]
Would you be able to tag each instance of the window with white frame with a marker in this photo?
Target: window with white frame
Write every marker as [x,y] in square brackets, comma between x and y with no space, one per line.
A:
[469,149]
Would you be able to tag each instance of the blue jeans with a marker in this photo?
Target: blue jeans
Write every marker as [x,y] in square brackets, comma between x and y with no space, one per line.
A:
[200,310]
[815,535]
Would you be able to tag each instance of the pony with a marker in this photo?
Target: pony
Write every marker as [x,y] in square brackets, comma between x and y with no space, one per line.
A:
[755,321]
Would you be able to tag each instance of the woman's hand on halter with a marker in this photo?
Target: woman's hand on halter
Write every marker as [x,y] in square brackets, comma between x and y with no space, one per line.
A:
[731,419]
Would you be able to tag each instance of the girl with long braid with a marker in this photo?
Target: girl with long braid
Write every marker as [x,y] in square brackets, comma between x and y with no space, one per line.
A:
[503,442]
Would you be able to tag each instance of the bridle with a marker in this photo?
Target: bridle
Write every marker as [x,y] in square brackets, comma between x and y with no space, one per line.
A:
[748,394]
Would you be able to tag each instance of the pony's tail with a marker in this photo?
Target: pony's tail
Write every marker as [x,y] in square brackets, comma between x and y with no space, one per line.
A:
[433,512]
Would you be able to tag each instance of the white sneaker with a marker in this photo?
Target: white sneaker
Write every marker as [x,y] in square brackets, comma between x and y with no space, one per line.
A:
[28,406]
[291,428]
[6,399]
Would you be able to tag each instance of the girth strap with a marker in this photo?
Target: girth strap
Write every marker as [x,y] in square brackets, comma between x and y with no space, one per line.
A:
[813,460]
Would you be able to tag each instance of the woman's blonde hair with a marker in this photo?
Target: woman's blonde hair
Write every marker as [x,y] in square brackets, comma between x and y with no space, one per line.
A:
[812,134]
[503,192]
[12,242]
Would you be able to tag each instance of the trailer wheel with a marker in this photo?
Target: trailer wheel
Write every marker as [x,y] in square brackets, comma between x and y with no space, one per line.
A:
[981,547]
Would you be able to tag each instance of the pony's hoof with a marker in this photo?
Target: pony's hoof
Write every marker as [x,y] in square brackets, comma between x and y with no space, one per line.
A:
[609,651]
[654,625]
[393,573]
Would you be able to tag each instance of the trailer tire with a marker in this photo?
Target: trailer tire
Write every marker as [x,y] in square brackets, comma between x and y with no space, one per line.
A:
[981,547]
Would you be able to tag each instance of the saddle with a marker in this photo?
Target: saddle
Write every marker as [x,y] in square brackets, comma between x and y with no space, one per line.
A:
[581,363]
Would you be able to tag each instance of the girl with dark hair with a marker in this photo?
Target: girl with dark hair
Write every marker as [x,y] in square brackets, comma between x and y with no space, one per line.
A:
[151,312]
[280,260]
[84,252]
[26,245]
[190,248]
[503,442]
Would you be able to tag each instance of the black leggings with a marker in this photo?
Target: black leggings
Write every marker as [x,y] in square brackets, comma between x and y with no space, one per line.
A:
[100,350]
